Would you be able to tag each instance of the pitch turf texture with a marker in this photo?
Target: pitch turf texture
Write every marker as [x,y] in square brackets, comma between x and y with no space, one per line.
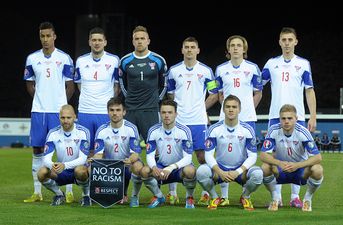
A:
[16,185]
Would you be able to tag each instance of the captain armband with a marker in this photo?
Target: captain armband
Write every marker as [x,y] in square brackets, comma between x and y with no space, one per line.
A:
[211,85]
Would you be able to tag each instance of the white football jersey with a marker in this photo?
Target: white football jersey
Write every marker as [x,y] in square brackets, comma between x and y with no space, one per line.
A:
[240,81]
[117,143]
[97,78]
[294,148]
[189,88]
[172,145]
[72,148]
[49,74]
[288,80]
[231,144]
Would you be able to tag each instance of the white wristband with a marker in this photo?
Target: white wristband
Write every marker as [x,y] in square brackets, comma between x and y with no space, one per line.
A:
[171,167]
[239,170]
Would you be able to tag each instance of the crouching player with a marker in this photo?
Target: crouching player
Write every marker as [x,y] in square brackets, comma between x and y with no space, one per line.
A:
[119,140]
[71,143]
[234,143]
[174,144]
[290,155]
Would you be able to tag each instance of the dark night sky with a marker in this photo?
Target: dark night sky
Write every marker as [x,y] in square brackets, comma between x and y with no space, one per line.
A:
[319,32]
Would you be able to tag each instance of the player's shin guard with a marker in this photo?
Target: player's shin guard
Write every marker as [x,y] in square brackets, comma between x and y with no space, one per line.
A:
[255,179]
[85,186]
[312,186]
[189,185]
[136,184]
[69,188]
[270,183]
[204,177]
[36,165]
[295,191]
[52,186]
[173,188]
[225,190]
[151,184]
[278,189]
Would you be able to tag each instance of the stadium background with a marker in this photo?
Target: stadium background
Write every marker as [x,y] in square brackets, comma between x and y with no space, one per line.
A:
[319,32]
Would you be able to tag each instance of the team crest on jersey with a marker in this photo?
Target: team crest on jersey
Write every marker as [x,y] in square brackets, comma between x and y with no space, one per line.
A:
[208,143]
[58,63]
[246,73]
[267,144]
[108,66]
[152,65]
[295,142]
[180,75]
[76,141]
[177,140]
[240,138]
[123,138]
[200,76]
[297,68]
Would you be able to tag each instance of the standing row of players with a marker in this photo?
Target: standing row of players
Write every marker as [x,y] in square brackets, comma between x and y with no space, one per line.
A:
[142,77]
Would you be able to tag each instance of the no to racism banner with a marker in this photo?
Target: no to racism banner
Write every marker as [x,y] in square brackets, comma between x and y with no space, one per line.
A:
[107,181]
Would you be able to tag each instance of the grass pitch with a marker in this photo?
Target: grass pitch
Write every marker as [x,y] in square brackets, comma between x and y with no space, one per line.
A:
[16,185]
